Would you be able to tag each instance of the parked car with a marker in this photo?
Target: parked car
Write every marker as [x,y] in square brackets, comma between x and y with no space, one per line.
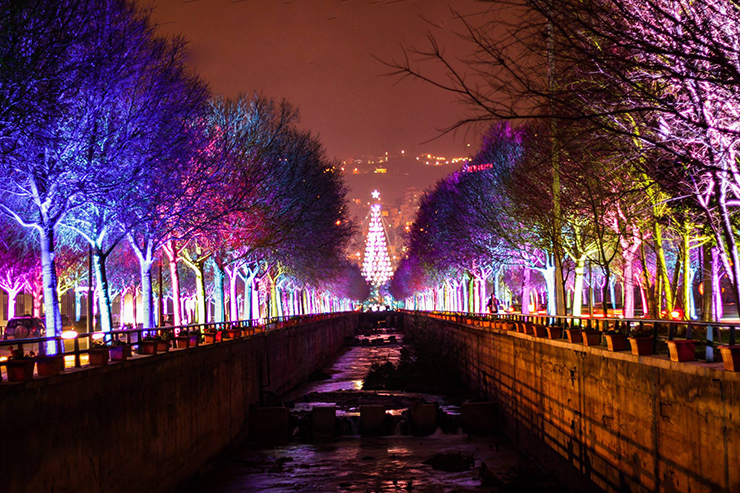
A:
[24,328]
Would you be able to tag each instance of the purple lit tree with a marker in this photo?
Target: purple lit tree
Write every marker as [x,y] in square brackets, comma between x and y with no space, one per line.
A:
[94,112]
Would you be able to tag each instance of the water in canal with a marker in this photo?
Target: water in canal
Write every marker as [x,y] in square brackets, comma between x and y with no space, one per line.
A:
[395,462]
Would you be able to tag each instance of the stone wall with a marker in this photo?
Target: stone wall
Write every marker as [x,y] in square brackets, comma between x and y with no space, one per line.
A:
[602,420]
[153,423]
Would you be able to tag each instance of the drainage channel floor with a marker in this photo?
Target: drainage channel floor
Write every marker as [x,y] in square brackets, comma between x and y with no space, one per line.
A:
[384,464]
[390,463]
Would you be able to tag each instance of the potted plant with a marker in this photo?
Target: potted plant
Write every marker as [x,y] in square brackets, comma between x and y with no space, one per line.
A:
[615,340]
[232,333]
[149,344]
[682,350]
[574,335]
[119,350]
[554,332]
[20,365]
[210,335]
[539,330]
[98,353]
[164,342]
[730,357]
[187,338]
[49,366]
[641,342]
[591,337]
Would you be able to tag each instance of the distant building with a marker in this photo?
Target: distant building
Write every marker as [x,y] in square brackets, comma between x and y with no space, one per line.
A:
[409,206]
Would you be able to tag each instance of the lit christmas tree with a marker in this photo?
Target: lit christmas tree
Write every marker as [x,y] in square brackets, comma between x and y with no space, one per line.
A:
[376,266]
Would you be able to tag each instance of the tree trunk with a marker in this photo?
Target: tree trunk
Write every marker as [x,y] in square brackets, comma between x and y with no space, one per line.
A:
[629,285]
[662,269]
[687,277]
[105,307]
[145,255]
[578,286]
[247,307]
[49,277]
[173,255]
[122,305]
[36,301]
[233,301]
[198,268]
[733,254]
[200,291]
[12,297]
[526,288]
[651,310]
[605,291]
[147,302]
[219,276]
[551,282]
[254,306]
[707,305]
[718,310]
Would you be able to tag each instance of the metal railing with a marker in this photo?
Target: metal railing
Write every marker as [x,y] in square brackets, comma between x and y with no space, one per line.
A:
[660,330]
[75,345]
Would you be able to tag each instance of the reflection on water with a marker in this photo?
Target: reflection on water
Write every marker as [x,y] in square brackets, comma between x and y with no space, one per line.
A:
[349,369]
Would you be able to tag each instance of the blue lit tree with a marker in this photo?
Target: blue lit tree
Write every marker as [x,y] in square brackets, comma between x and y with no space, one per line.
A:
[72,110]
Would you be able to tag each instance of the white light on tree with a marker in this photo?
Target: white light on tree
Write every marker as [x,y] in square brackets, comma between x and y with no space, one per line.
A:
[376,266]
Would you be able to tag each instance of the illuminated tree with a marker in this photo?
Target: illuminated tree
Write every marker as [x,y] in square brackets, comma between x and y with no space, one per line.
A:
[376,263]
[103,100]
[18,260]
[53,54]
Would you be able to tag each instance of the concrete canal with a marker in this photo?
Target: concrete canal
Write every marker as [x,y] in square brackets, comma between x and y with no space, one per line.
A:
[385,439]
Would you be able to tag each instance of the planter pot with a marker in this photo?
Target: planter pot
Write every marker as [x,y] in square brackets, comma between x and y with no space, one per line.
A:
[574,335]
[209,337]
[641,346]
[730,357]
[20,370]
[98,357]
[616,342]
[163,346]
[186,342]
[232,333]
[554,332]
[539,330]
[682,350]
[591,337]
[148,347]
[48,366]
[120,353]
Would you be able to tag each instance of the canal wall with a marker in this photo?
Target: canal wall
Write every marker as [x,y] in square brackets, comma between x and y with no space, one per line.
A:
[153,423]
[604,421]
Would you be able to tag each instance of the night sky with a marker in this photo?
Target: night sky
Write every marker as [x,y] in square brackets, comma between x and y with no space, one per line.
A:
[318,54]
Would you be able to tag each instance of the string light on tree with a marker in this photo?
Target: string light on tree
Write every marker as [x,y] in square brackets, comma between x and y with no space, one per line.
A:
[376,265]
